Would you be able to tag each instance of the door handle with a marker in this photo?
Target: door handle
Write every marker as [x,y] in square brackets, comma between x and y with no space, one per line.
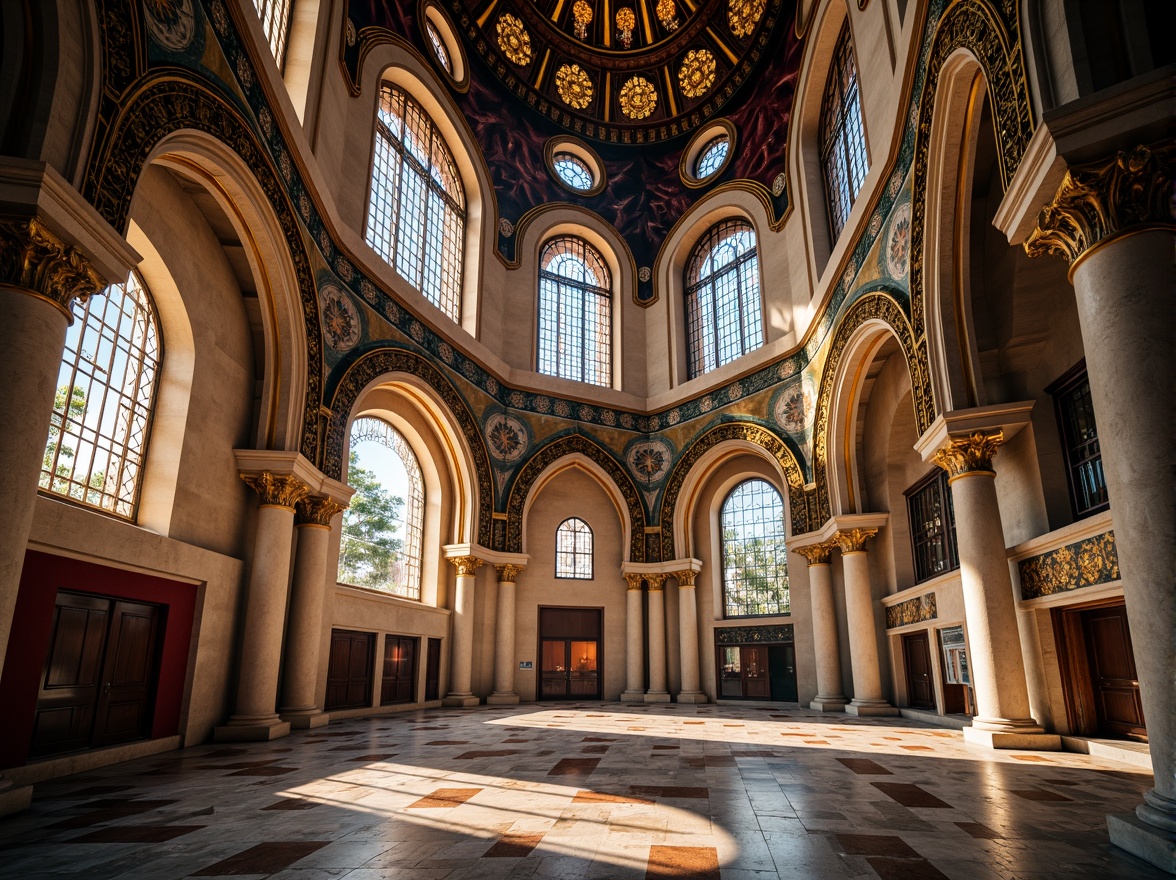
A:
[106,689]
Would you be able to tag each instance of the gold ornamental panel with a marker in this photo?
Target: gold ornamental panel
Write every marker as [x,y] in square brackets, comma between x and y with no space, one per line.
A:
[574,86]
[638,98]
[513,40]
[744,15]
[667,14]
[697,73]
[582,14]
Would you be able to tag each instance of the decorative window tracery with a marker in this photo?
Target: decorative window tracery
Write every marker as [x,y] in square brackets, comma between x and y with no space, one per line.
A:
[842,135]
[275,21]
[438,45]
[575,312]
[712,157]
[574,171]
[573,550]
[755,560]
[417,210]
[723,311]
[105,394]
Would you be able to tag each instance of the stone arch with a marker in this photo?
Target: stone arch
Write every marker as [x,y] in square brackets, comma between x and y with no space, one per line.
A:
[547,455]
[782,452]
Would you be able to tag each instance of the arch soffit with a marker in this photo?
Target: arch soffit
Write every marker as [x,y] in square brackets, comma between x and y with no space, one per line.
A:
[579,461]
[440,401]
[605,465]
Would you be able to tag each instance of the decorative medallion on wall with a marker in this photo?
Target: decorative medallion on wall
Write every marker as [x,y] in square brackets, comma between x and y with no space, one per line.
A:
[506,437]
[513,40]
[649,459]
[697,73]
[638,98]
[744,15]
[171,23]
[574,86]
[916,610]
[341,324]
[795,406]
[1085,563]
[898,242]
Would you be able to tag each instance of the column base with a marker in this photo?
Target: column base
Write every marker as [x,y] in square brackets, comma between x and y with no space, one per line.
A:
[870,707]
[462,701]
[251,729]
[502,700]
[633,697]
[694,697]
[1155,845]
[14,798]
[829,704]
[306,719]
[657,697]
[1029,738]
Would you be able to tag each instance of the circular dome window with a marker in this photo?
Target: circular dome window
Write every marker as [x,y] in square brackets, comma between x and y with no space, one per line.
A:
[708,154]
[573,171]
[575,165]
[713,156]
[446,47]
[439,48]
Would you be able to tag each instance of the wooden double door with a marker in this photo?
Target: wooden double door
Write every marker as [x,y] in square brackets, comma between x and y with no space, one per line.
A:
[100,676]
[569,653]
[1098,671]
[757,672]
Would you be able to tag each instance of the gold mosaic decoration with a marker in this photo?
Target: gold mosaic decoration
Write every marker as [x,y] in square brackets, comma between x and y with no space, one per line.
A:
[513,40]
[667,14]
[582,15]
[574,86]
[638,98]
[697,73]
[1085,563]
[626,21]
[744,15]
[916,610]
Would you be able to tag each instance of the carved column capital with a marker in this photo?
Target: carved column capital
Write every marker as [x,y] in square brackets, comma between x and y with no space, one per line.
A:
[465,565]
[969,455]
[316,510]
[1099,200]
[685,578]
[634,580]
[854,540]
[276,490]
[507,572]
[818,554]
[657,582]
[35,260]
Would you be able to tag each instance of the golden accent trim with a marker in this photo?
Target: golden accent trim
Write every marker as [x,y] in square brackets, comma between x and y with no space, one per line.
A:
[34,259]
[854,540]
[962,193]
[276,490]
[316,510]
[1111,239]
[685,578]
[818,554]
[962,456]
[657,582]
[465,565]
[634,581]
[26,292]
[507,572]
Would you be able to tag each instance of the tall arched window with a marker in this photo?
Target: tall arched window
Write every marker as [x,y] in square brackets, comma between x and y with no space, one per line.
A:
[842,137]
[275,21]
[575,312]
[416,214]
[573,550]
[755,561]
[383,529]
[723,297]
[105,394]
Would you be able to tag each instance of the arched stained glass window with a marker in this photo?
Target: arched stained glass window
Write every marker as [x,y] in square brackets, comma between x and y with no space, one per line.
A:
[842,137]
[723,315]
[712,156]
[755,560]
[105,393]
[383,529]
[575,312]
[275,21]
[574,171]
[573,550]
[416,215]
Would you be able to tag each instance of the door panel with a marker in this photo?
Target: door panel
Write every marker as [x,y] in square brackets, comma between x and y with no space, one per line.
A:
[782,673]
[125,701]
[433,670]
[1112,673]
[349,670]
[730,673]
[582,670]
[916,650]
[398,683]
[755,672]
[553,669]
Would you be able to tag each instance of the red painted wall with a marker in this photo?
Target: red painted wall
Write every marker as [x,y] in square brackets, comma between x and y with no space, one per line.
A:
[45,574]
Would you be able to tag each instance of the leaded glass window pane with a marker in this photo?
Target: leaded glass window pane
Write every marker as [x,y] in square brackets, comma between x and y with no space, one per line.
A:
[416,214]
[723,313]
[438,45]
[105,393]
[932,519]
[573,550]
[755,560]
[275,21]
[574,171]
[842,136]
[1088,484]
[712,157]
[575,312]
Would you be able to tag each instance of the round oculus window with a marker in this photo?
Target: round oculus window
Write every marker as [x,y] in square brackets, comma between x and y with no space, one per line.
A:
[573,171]
[438,44]
[712,157]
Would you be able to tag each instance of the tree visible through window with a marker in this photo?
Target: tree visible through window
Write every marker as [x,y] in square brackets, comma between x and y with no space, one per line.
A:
[573,550]
[842,136]
[755,560]
[575,312]
[384,526]
[416,215]
[723,319]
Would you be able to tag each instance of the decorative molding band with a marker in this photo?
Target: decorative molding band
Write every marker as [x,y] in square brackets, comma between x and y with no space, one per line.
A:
[742,635]
[508,572]
[818,554]
[34,259]
[465,565]
[916,610]
[315,510]
[277,490]
[854,540]
[1099,200]
[969,455]
[634,580]
[1086,563]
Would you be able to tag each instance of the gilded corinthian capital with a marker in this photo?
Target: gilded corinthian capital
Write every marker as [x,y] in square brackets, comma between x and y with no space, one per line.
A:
[969,455]
[634,580]
[685,578]
[34,259]
[1102,199]
[657,582]
[854,540]
[276,490]
[465,565]
[818,554]
[507,572]
[315,510]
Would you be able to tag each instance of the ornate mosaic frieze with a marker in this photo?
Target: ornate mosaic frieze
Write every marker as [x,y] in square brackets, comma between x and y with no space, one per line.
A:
[916,610]
[750,635]
[1086,563]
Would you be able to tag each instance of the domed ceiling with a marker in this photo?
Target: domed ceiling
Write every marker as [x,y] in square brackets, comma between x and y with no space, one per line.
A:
[634,79]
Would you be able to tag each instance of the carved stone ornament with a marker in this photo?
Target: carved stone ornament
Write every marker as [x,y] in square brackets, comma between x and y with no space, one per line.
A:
[971,454]
[685,578]
[634,581]
[33,258]
[854,540]
[1099,200]
[657,582]
[818,554]
[465,565]
[277,490]
[508,572]
[315,510]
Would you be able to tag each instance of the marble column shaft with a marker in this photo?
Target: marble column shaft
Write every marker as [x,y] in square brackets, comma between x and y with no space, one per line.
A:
[461,665]
[688,639]
[634,641]
[504,641]
[825,641]
[859,614]
[657,639]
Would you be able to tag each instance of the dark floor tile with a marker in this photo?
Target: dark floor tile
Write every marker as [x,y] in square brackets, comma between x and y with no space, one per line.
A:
[666,748]
[265,858]
[601,797]
[875,845]
[444,797]
[513,846]
[905,869]
[98,789]
[449,742]
[670,791]
[135,834]
[268,770]
[501,753]
[574,767]
[598,739]
[865,767]
[1038,794]
[909,795]
[696,862]
[292,803]
[379,756]
[224,753]
[980,832]
[594,750]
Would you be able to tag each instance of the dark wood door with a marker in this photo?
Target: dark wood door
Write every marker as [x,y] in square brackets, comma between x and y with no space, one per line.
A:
[755,672]
[349,673]
[569,653]
[782,672]
[1112,673]
[98,685]
[916,652]
[433,670]
[398,683]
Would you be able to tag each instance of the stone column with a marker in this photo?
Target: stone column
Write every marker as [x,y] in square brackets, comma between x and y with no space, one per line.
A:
[1112,221]
[634,642]
[504,642]
[461,651]
[825,642]
[657,692]
[859,615]
[312,519]
[688,635]
[255,717]
[1003,718]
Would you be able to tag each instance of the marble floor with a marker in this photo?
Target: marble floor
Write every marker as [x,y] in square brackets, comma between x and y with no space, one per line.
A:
[602,790]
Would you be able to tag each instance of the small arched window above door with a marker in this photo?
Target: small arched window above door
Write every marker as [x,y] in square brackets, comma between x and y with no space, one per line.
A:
[573,550]
[755,560]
